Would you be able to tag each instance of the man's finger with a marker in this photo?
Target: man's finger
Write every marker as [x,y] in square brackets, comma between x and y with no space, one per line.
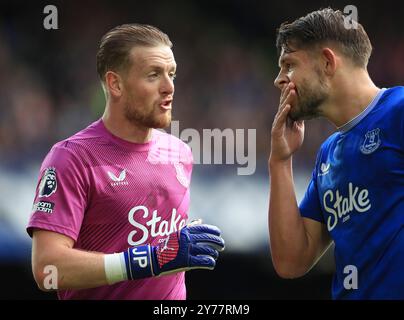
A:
[284,95]
[281,117]
[288,98]
[285,92]
[284,114]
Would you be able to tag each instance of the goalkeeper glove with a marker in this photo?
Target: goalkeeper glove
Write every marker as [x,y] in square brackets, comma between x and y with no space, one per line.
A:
[192,247]
[196,246]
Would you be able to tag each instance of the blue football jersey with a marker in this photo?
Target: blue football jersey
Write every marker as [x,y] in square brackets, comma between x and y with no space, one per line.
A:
[357,191]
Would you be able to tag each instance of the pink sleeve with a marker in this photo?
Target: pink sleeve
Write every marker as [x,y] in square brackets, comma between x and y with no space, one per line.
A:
[61,194]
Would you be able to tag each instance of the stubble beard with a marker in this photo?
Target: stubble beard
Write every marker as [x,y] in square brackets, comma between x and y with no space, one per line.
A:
[310,100]
[147,118]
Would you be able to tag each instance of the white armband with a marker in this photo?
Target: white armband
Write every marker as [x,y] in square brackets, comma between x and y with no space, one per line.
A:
[115,268]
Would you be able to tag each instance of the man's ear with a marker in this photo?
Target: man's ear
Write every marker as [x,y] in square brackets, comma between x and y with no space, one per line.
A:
[330,61]
[113,84]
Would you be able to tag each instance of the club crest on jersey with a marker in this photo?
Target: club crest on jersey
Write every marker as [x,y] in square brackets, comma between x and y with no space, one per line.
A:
[48,184]
[181,176]
[372,141]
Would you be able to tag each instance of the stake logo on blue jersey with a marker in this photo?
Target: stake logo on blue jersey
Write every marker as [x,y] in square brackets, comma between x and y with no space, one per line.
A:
[340,207]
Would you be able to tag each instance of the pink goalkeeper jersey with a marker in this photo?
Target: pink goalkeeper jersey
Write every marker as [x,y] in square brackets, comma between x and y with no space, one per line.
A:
[109,194]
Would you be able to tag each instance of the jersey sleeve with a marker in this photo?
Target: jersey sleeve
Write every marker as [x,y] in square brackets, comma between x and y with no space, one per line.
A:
[310,206]
[61,194]
[402,126]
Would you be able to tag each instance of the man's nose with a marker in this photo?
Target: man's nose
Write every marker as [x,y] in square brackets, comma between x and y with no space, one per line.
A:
[167,86]
[281,81]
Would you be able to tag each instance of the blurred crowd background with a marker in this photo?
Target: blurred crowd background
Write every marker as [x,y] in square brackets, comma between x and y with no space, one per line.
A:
[227,63]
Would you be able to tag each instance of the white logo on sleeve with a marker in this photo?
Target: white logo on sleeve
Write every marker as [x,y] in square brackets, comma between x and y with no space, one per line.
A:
[324,169]
[339,206]
[118,180]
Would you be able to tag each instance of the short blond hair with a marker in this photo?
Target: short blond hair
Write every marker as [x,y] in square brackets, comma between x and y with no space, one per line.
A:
[115,46]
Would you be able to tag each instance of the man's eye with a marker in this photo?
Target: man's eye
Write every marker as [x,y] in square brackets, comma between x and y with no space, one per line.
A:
[153,75]
[173,75]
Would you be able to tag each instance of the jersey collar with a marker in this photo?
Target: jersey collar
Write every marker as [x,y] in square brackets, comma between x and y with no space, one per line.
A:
[354,121]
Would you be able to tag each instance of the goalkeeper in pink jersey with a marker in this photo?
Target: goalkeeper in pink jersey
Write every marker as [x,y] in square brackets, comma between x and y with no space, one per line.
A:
[111,208]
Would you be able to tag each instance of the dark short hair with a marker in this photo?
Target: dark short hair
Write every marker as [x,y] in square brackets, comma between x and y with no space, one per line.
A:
[325,26]
[115,46]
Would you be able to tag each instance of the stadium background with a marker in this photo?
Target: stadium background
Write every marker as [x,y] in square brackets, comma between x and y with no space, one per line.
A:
[226,66]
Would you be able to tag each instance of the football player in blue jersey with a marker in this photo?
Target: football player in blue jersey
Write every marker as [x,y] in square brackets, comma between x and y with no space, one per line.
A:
[356,194]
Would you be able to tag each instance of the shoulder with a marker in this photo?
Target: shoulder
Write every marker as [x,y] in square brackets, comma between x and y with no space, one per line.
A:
[325,149]
[61,159]
[86,137]
[393,99]
[327,144]
[72,149]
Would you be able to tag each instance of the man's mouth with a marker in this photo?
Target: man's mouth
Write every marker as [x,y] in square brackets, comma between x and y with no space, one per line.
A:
[166,104]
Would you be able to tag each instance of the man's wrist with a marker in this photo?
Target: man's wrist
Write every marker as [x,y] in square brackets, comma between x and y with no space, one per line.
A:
[274,164]
[134,263]
[139,262]
[115,269]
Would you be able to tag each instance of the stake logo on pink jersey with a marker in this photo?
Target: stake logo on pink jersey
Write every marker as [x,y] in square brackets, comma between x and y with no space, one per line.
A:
[154,227]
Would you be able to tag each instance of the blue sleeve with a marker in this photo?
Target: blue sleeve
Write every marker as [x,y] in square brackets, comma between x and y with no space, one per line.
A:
[402,126]
[310,206]
[397,102]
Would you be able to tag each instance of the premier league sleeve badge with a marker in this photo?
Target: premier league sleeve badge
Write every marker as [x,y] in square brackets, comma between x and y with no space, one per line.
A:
[48,184]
